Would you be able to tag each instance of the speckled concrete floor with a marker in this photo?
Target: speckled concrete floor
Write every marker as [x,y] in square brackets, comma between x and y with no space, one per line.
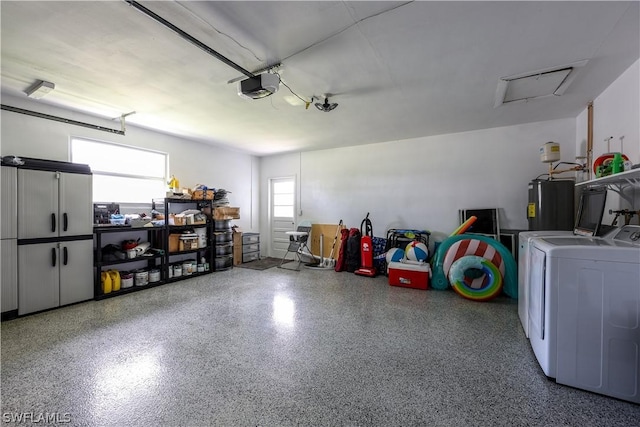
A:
[279,348]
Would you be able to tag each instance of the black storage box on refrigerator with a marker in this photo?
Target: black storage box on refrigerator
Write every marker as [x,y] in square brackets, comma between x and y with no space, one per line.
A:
[551,205]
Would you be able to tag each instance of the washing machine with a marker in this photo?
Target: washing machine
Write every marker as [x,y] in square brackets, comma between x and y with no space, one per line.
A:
[584,311]
[524,266]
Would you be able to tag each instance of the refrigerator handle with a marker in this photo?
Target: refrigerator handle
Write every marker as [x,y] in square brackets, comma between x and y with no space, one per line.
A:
[65,221]
[65,256]
[53,223]
[53,257]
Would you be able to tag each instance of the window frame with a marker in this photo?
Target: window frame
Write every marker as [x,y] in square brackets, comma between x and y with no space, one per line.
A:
[78,139]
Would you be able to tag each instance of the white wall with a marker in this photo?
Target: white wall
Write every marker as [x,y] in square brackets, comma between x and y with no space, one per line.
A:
[417,183]
[616,112]
[191,162]
[420,183]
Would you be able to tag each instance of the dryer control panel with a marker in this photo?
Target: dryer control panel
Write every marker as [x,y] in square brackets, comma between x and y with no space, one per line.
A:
[629,234]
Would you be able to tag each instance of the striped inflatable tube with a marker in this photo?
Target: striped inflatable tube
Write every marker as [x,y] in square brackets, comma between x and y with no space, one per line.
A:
[439,280]
[489,291]
[472,247]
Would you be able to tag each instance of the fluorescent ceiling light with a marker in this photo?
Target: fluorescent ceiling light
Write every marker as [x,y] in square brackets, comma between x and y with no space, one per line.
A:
[39,89]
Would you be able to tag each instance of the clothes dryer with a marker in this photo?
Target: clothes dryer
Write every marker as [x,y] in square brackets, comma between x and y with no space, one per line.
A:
[524,244]
[584,311]
[588,223]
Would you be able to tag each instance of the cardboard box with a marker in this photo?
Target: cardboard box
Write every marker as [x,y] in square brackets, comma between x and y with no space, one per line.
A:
[328,231]
[174,242]
[226,212]
[414,276]
[202,195]
[237,248]
[178,219]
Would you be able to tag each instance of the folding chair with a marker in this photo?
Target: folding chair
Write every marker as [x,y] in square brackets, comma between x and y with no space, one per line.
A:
[297,241]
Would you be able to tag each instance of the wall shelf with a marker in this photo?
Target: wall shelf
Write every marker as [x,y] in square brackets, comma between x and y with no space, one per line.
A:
[630,177]
[617,183]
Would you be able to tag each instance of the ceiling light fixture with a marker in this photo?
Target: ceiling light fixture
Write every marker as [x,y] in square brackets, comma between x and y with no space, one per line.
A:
[39,89]
[326,107]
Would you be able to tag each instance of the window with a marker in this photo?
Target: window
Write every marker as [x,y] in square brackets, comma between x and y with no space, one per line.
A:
[283,198]
[122,173]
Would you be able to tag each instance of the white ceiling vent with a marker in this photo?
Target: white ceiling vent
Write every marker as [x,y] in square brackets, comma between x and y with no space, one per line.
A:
[536,84]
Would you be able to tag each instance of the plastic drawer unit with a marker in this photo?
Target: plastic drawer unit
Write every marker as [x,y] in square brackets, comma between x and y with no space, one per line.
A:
[250,246]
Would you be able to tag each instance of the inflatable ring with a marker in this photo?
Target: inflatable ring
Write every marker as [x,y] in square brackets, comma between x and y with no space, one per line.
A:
[457,275]
[473,247]
[439,281]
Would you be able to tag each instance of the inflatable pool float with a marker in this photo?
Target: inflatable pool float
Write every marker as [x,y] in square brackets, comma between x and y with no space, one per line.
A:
[488,289]
[440,280]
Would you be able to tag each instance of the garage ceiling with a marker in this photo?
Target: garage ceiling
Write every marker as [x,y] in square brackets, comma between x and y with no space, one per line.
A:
[397,70]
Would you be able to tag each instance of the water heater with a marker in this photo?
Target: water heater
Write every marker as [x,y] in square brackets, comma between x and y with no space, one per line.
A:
[551,205]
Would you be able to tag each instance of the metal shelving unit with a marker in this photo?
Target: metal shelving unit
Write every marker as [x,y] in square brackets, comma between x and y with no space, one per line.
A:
[150,260]
[168,206]
[160,257]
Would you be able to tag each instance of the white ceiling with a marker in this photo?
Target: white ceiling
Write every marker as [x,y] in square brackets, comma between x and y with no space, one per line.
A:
[397,69]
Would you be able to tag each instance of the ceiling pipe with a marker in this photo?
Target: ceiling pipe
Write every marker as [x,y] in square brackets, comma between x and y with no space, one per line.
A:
[188,37]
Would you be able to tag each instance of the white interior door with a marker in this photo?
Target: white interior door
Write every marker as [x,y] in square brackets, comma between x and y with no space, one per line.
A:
[282,204]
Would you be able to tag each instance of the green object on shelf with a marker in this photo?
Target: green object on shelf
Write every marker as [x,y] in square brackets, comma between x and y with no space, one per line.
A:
[618,163]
